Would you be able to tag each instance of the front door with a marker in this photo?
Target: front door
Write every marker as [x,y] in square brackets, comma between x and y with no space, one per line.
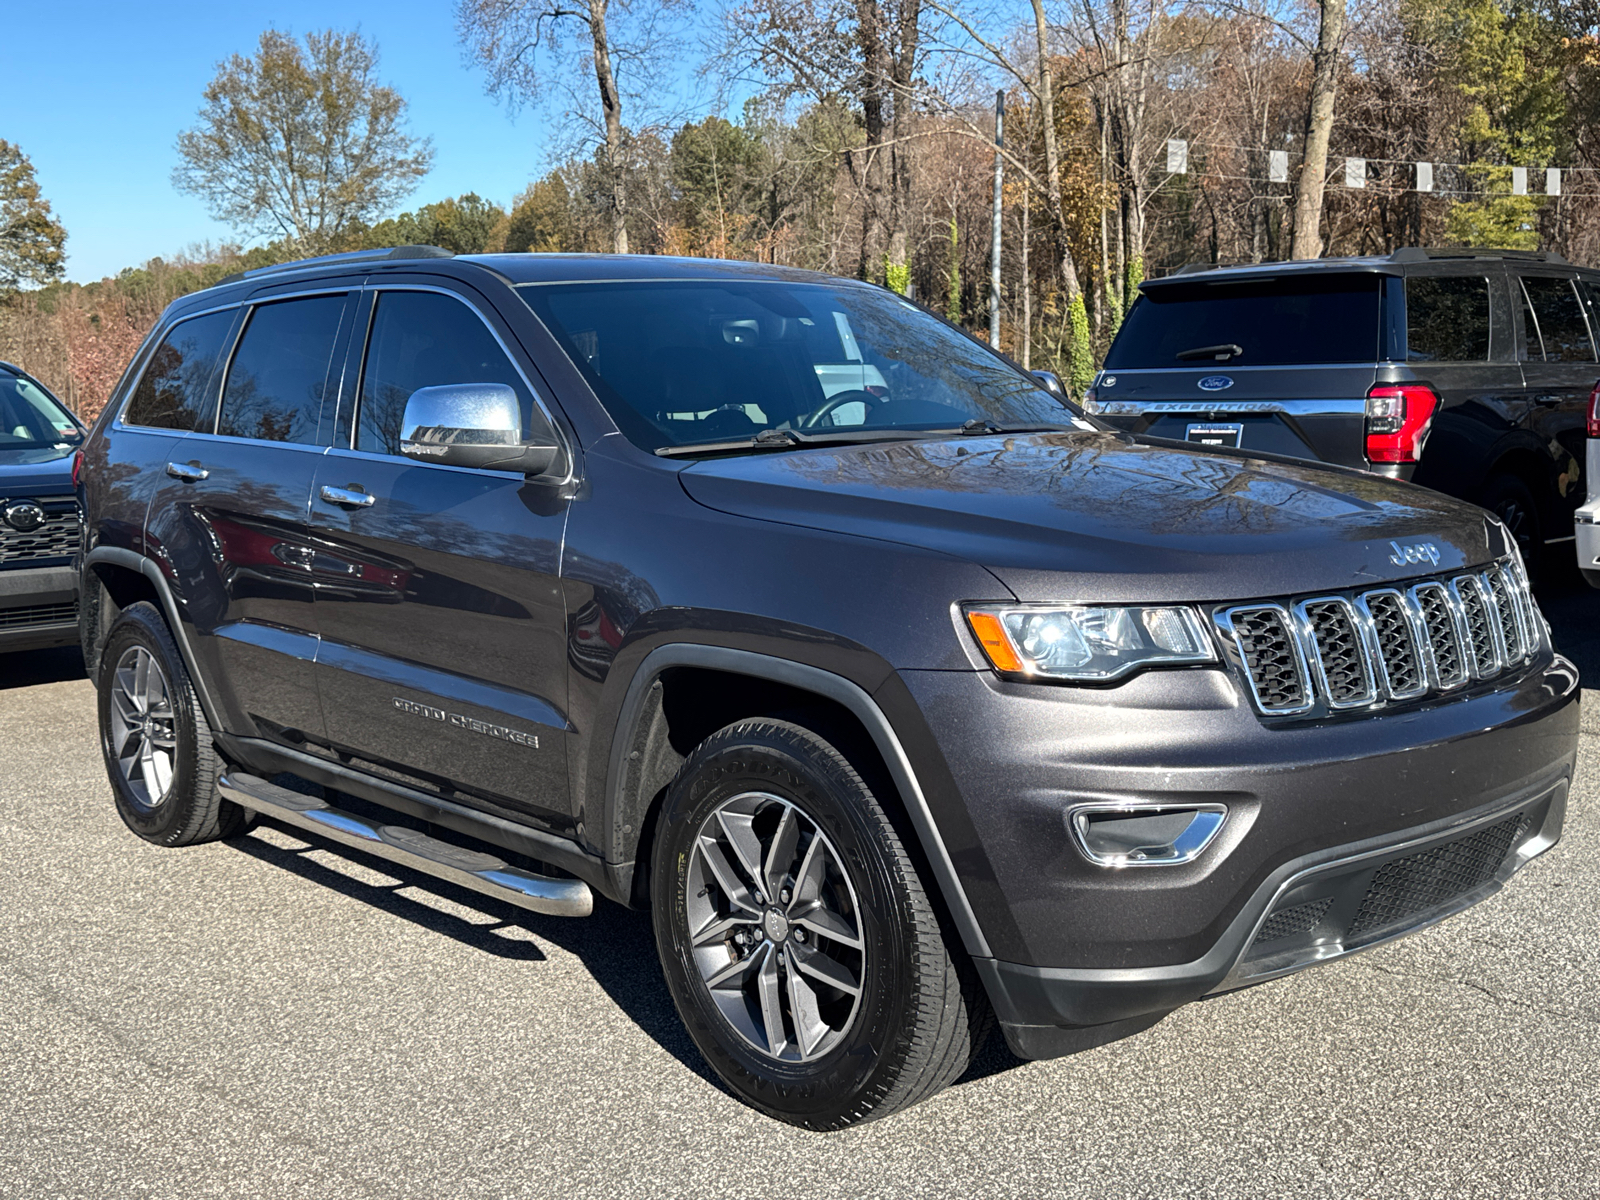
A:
[438,588]
[230,519]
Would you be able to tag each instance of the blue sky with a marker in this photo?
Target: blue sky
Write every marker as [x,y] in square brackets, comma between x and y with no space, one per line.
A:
[96,94]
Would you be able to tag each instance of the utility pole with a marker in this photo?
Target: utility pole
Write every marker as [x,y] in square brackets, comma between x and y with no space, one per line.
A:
[994,251]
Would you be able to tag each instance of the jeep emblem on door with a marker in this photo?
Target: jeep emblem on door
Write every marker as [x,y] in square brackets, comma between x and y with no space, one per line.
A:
[1215,383]
[1416,552]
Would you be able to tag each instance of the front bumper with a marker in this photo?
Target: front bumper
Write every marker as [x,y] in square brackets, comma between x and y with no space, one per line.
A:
[1314,862]
[38,608]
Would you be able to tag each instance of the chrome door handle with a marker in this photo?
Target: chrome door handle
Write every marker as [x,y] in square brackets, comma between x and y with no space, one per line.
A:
[187,472]
[348,497]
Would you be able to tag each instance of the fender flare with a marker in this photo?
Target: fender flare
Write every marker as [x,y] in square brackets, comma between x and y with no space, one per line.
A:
[132,560]
[626,812]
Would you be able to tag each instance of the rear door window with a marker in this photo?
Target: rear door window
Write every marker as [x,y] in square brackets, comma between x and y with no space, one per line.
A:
[1447,319]
[1326,318]
[173,392]
[279,373]
[1558,323]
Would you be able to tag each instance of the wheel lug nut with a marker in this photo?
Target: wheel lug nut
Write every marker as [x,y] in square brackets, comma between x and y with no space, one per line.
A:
[784,895]
[799,935]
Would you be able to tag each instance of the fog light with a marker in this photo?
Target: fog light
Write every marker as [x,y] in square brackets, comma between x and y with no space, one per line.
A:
[1112,835]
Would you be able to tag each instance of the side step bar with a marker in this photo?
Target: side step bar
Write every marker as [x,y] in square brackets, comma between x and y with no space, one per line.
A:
[470,868]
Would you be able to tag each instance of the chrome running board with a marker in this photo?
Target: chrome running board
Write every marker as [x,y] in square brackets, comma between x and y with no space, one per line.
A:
[470,868]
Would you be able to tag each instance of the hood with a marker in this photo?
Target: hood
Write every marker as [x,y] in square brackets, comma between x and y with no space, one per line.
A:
[1098,517]
[46,471]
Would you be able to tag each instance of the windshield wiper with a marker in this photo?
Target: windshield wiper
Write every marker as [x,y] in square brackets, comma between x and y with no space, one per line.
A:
[981,425]
[789,439]
[1221,353]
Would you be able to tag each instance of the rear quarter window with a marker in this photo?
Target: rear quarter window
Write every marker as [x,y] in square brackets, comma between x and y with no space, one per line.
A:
[1447,319]
[1331,318]
[173,392]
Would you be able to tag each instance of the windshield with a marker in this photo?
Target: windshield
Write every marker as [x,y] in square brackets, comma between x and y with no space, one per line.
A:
[1256,323]
[30,418]
[684,363]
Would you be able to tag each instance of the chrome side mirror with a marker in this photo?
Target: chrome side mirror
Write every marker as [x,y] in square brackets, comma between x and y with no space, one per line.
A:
[1051,382]
[473,425]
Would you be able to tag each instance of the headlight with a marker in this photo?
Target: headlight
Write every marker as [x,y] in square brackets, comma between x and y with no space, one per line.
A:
[1089,644]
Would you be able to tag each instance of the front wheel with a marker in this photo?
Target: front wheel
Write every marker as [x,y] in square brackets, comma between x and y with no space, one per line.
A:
[801,949]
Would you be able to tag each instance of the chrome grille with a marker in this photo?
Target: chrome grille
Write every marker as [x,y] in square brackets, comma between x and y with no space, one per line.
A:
[1272,658]
[56,538]
[1342,668]
[1442,627]
[1384,645]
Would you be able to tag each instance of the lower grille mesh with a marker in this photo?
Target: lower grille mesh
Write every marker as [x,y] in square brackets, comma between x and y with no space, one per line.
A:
[1287,922]
[39,614]
[1410,886]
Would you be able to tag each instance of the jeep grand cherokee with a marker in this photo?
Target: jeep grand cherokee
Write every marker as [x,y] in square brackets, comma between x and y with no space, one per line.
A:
[903,706]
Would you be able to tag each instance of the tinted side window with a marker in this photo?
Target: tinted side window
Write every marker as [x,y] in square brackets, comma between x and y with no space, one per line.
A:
[172,391]
[1560,320]
[1447,320]
[423,339]
[280,371]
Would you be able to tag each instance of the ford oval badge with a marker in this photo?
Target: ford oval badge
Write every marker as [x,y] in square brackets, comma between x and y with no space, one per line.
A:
[1215,383]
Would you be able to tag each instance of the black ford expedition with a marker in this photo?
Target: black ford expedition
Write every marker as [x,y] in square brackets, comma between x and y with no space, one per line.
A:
[1466,371]
[905,696]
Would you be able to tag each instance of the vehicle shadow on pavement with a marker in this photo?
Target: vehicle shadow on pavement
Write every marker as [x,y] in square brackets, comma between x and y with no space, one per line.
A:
[28,668]
[1573,609]
[616,945]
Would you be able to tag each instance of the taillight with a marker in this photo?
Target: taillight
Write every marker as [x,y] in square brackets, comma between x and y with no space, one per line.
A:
[1594,411]
[77,463]
[1398,419]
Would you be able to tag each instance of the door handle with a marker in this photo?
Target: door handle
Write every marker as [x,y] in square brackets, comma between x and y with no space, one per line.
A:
[347,497]
[187,472]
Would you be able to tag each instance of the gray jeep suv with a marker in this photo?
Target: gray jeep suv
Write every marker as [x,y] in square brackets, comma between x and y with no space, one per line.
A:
[902,706]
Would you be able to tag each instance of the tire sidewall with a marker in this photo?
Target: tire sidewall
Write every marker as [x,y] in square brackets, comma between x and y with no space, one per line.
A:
[139,625]
[771,758]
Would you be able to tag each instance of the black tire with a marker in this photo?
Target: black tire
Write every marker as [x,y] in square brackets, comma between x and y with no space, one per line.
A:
[1510,499]
[180,805]
[921,1013]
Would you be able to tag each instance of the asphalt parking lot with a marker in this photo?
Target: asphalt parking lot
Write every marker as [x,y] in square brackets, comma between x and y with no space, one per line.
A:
[269,1018]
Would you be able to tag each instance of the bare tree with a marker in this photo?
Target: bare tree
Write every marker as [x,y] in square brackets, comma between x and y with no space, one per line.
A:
[526,45]
[1325,59]
[300,141]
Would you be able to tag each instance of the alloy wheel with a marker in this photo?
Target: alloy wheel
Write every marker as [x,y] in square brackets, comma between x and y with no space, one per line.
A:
[775,927]
[143,726]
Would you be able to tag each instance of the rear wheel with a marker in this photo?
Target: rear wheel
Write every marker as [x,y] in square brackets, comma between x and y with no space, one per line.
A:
[1510,499]
[155,739]
[801,949]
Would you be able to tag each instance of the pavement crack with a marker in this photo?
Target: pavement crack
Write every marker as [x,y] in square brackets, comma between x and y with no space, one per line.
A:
[1500,1000]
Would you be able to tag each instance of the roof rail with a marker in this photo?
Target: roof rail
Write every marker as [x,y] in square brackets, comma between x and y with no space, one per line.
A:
[1411,254]
[349,256]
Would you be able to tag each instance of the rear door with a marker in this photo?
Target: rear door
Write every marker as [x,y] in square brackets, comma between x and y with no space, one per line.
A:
[1560,369]
[444,653]
[1280,364]
[230,517]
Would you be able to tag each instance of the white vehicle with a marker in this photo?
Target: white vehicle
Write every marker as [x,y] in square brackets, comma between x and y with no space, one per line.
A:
[1586,526]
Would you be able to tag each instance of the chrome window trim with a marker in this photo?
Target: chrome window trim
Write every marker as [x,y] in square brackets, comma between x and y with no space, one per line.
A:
[156,338]
[377,288]
[346,452]
[1225,622]
[1458,623]
[1412,620]
[1313,652]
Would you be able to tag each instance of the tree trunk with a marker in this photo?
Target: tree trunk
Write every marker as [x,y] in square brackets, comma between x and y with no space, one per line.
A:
[876,81]
[611,105]
[902,73]
[1027,289]
[1052,153]
[1319,124]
